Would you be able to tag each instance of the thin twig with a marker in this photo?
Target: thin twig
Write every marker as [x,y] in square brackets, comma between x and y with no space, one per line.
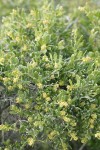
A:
[83,145]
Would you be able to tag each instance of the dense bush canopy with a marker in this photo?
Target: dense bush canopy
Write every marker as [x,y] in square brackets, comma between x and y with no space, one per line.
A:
[50,70]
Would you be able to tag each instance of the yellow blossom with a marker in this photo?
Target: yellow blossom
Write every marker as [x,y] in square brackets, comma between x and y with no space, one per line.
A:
[6,149]
[4,127]
[97,135]
[30,119]
[1,60]
[29,25]
[84,140]
[69,101]
[27,106]
[43,47]
[91,121]
[93,106]
[73,136]
[94,116]
[47,65]
[36,123]
[45,22]
[61,83]
[86,59]
[82,103]
[46,109]
[48,98]
[52,134]
[56,87]
[9,34]
[5,79]
[10,88]
[20,86]
[66,119]
[37,38]
[44,95]
[14,12]
[17,39]
[73,123]
[56,65]
[64,146]
[18,100]
[24,48]
[30,141]
[91,126]
[81,8]
[60,8]
[61,44]
[62,113]
[16,73]
[33,64]
[63,104]
[45,28]
[15,80]
[70,87]
[52,76]
[40,86]
[32,12]
[45,58]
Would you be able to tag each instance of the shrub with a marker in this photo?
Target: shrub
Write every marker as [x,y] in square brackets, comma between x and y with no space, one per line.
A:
[6,6]
[53,76]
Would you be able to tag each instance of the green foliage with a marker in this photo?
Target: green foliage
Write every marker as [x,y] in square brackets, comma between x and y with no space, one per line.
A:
[54,73]
[6,6]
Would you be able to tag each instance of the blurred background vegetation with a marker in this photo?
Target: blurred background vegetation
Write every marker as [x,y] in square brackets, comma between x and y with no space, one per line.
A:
[6,6]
